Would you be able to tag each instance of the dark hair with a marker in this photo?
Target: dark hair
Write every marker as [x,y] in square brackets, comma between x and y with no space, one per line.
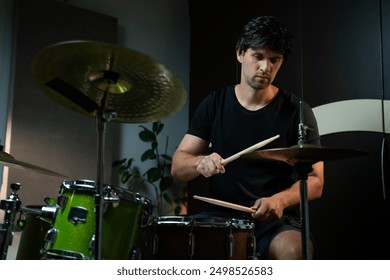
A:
[265,31]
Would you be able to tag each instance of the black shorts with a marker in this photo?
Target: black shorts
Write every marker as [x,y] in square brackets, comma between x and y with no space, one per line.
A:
[264,233]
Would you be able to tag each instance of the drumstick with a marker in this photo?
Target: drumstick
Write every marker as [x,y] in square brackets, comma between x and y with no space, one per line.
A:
[225,204]
[250,149]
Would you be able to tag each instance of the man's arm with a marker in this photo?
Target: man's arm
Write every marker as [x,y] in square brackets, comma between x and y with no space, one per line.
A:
[271,208]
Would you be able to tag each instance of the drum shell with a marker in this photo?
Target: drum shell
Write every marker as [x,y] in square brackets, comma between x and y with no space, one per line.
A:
[184,237]
[73,239]
[32,238]
[124,224]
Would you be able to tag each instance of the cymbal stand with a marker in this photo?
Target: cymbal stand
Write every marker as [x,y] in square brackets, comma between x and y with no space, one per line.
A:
[302,171]
[102,116]
[11,206]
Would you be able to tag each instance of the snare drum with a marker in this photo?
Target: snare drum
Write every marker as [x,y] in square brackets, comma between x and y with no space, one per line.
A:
[71,236]
[210,238]
[124,222]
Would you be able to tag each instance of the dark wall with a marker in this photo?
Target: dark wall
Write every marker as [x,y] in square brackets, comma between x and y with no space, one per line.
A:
[214,31]
[341,52]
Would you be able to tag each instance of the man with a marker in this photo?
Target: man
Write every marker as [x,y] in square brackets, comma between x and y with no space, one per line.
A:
[236,117]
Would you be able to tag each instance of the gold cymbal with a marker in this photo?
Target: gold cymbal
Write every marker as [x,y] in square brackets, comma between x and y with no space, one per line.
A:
[78,74]
[304,154]
[8,160]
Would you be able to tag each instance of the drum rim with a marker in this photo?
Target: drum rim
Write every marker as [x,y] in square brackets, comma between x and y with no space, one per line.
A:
[131,196]
[205,221]
[79,184]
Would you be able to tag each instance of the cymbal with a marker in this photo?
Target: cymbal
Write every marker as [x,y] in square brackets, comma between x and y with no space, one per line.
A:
[304,154]
[8,160]
[86,75]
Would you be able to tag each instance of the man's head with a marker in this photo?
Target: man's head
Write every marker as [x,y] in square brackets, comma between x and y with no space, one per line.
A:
[265,31]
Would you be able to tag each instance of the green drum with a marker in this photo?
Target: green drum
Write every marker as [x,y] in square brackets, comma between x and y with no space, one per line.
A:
[72,234]
[124,220]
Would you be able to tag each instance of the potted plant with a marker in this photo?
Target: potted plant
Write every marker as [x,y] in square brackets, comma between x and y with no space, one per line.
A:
[167,189]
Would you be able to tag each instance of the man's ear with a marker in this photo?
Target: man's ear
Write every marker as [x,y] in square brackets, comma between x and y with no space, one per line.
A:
[239,55]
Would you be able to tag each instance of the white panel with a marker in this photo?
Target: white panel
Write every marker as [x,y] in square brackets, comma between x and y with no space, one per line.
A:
[352,115]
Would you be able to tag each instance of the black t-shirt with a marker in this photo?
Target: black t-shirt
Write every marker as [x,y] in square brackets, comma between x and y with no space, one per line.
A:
[230,128]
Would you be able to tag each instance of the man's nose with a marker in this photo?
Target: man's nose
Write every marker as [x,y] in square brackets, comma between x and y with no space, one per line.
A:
[265,65]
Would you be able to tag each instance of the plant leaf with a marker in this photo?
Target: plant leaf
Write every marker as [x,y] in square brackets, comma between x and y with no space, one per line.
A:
[147,136]
[118,162]
[148,154]
[158,127]
[153,174]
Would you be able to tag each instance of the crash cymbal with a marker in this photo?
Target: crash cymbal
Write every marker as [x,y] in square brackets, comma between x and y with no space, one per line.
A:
[304,154]
[78,74]
[8,160]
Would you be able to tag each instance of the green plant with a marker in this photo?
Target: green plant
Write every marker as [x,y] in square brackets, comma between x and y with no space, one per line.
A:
[167,189]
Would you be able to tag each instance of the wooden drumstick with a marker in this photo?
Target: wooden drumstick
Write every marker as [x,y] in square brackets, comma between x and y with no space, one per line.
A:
[225,204]
[249,149]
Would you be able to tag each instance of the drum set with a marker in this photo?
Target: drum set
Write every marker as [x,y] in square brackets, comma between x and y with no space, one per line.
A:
[64,229]
[91,220]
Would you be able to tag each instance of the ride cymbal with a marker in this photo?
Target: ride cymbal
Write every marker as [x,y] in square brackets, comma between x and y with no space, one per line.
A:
[86,75]
[8,160]
[304,154]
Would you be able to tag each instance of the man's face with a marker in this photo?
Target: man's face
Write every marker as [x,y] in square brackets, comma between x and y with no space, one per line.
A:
[259,67]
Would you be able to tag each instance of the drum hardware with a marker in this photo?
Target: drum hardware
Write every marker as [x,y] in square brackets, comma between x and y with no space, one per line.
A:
[46,213]
[11,206]
[107,82]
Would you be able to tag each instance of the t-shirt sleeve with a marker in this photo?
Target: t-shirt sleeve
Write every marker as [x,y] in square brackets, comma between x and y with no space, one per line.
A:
[200,124]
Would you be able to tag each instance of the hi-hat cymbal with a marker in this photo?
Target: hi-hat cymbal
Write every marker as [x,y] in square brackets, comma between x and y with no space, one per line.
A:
[8,160]
[304,154]
[78,74]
